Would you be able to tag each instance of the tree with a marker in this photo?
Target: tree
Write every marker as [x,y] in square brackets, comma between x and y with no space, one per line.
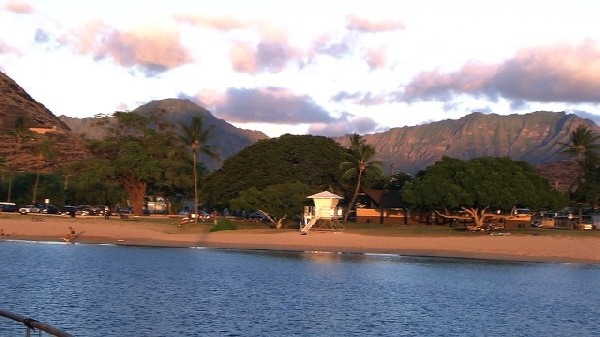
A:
[45,153]
[583,146]
[477,185]
[311,160]
[137,150]
[280,201]
[357,164]
[397,181]
[196,138]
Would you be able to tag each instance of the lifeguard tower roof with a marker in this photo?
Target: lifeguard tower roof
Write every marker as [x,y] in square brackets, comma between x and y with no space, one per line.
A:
[324,195]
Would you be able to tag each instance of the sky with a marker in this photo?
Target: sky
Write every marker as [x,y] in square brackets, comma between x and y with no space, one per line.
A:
[327,67]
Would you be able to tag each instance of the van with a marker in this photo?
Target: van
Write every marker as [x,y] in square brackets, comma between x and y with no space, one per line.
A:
[8,207]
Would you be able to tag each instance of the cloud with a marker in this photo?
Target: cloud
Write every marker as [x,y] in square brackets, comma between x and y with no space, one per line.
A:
[361,98]
[41,36]
[18,7]
[221,23]
[328,44]
[150,49]
[266,56]
[588,115]
[376,58]
[8,49]
[346,124]
[269,105]
[557,73]
[367,26]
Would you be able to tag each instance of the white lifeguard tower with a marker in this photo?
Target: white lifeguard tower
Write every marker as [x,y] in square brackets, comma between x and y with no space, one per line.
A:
[324,215]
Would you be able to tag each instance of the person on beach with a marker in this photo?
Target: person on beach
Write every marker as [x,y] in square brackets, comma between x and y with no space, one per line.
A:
[71,233]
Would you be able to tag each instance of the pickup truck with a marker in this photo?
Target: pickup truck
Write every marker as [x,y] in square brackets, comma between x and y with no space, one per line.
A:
[29,209]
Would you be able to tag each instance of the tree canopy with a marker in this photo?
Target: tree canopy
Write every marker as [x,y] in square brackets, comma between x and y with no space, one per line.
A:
[477,184]
[311,160]
[281,200]
[137,151]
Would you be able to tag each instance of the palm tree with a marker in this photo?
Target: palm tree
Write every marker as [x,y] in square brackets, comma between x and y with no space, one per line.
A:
[196,138]
[358,164]
[45,154]
[584,147]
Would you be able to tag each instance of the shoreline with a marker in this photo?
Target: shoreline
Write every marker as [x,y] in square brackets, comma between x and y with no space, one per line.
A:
[525,248]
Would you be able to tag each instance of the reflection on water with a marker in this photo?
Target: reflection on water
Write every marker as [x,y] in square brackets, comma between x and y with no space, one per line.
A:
[92,290]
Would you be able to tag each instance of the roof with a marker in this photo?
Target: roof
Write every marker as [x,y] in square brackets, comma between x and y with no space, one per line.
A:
[324,195]
[384,198]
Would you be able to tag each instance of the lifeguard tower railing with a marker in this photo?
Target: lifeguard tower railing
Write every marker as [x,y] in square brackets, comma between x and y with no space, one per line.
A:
[324,218]
[324,213]
[32,324]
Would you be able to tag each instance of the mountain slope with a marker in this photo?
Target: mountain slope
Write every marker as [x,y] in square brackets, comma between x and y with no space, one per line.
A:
[531,137]
[229,139]
[22,153]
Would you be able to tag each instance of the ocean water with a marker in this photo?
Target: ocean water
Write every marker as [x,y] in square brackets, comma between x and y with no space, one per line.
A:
[104,290]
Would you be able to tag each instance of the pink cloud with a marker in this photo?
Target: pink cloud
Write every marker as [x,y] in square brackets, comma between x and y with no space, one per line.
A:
[266,56]
[152,50]
[368,26]
[18,7]
[556,73]
[243,58]
[376,58]
[223,23]
[8,49]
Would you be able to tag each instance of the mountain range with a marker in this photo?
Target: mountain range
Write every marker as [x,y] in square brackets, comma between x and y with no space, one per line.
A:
[534,137]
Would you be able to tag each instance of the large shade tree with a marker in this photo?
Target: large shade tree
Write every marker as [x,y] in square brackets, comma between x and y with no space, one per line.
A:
[480,185]
[279,201]
[196,138]
[311,160]
[358,163]
[136,151]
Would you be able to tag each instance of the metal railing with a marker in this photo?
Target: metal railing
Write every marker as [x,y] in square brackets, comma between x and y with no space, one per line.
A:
[32,324]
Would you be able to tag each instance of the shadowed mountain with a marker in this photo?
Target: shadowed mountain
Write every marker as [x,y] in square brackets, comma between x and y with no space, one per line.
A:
[22,146]
[228,138]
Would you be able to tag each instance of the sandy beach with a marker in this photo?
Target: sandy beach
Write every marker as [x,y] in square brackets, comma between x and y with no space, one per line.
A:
[558,248]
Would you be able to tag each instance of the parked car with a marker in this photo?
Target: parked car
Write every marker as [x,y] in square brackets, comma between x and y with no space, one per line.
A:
[187,212]
[85,210]
[30,209]
[51,209]
[257,216]
[8,207]
[67,210]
